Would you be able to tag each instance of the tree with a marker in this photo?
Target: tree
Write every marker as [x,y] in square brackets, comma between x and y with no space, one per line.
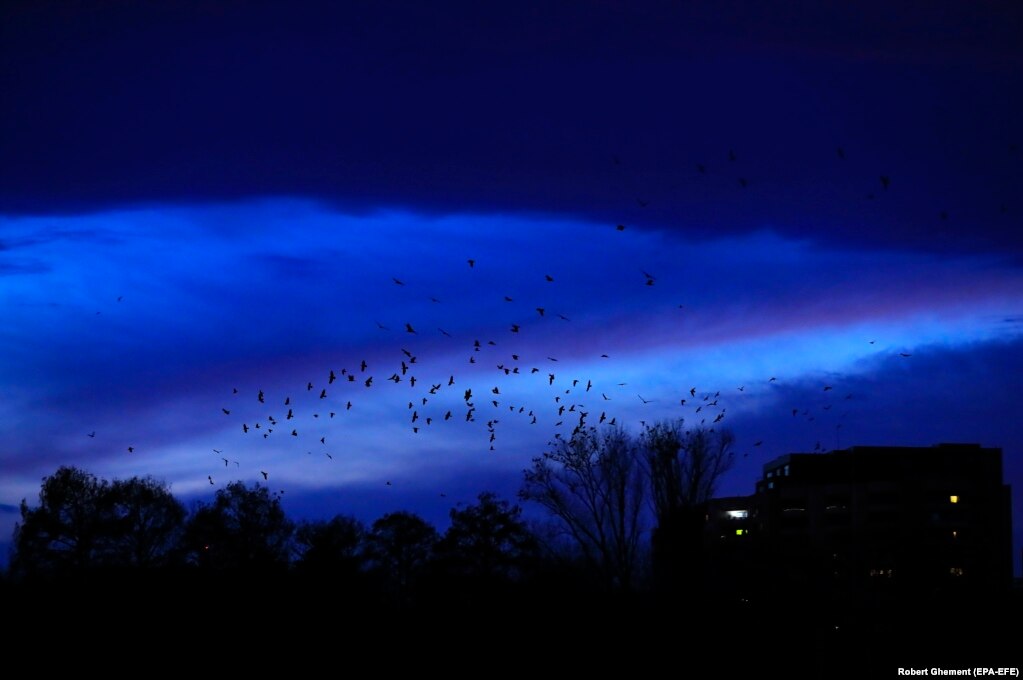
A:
[244,528]
[64,532]
[488,540]
[401,544]
[594,485]
[146,523]
[335,546]
[684,467]
[85,522]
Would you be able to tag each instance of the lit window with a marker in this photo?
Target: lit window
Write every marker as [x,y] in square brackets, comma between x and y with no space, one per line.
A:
[955,571]
[737,514]
[786,470]
[770,474]
[770,485]
[955,534]
[953,499]
[740,532]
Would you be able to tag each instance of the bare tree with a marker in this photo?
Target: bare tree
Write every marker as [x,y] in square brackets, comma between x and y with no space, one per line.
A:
[594,484]
[684,467]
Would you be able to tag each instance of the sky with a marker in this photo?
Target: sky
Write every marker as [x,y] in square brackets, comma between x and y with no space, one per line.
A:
[806,221]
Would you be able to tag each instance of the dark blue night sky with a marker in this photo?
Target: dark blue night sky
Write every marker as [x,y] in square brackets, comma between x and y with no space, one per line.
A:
[811,216]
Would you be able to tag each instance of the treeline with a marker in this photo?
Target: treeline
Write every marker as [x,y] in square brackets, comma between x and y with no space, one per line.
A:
[619,568]
[607,492]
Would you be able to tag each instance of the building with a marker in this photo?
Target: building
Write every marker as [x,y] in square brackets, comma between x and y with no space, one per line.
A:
[922,520]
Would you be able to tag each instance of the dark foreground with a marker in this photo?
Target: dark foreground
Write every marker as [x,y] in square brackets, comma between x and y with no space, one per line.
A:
[283,624]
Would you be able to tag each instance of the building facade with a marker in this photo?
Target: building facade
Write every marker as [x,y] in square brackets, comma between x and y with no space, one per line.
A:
[900,520]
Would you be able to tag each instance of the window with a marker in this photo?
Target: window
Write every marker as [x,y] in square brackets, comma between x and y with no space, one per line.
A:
[955,571]
[737,514]
[953,499]
[740,532]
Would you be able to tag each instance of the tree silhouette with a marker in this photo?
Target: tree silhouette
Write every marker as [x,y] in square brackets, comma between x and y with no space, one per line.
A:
[684,467]
[488,540]
[400,545]
[334,547]
[146,521]
[64,532]
[244,528]
[594,485]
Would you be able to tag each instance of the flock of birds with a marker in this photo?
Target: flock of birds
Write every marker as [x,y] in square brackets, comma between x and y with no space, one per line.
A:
[567,403]
[561,403]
